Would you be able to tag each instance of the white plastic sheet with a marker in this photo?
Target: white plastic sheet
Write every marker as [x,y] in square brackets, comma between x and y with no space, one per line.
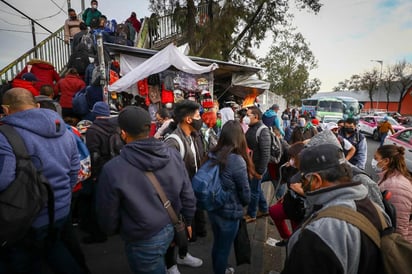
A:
[169,56]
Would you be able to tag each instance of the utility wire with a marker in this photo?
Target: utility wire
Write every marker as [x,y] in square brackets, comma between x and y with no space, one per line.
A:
[19,25]
[23,31]
[34,21]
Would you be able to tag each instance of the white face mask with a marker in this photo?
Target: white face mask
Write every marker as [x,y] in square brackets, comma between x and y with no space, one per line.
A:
[246,120]
[292,162]
[375,167]
[94,6]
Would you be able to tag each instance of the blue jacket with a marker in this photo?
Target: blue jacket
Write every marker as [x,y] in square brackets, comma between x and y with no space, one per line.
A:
[126,199]
[53,150]
[234,179]
[271,119]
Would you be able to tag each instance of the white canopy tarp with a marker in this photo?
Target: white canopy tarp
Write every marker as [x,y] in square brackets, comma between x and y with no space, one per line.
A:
[244,84]
[169,56]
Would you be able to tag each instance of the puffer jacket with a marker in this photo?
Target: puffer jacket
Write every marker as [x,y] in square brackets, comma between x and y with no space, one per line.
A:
[20,83]
[44,71]
[261,149]
[192,164]
[401,189]
[67,87]
[330,245]
[234,179]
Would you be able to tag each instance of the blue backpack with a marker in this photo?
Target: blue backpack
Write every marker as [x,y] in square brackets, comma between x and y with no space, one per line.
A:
[207,187]
[80,104]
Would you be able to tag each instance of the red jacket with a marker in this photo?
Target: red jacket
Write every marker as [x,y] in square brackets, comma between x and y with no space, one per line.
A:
[68,86]
[20,83]
[44,71]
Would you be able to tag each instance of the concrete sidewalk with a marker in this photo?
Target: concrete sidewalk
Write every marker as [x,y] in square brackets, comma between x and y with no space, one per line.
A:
[110,258]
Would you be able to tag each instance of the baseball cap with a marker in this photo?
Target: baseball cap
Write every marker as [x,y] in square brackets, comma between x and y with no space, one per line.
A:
[28,76]
[318,158]
[331,126]
[134,120]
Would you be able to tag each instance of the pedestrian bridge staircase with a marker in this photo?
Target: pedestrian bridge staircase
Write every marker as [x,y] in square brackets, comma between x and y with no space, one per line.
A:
[54,50]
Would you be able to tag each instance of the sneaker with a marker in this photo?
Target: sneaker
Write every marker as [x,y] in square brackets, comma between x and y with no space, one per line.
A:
[173,270]
[249,219]
[230,270]
[282,243]
[189,260]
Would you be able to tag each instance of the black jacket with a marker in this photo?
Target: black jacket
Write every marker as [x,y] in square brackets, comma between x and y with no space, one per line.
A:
[126,199]
[261,149]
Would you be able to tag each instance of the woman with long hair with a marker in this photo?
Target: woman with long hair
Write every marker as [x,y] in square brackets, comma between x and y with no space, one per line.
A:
[235,166]
[389,162]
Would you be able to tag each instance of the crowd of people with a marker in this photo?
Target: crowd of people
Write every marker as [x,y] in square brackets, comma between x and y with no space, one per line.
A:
[318,168]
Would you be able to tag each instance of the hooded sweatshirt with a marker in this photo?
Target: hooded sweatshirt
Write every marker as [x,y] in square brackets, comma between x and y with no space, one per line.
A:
[126,199]
[53,151]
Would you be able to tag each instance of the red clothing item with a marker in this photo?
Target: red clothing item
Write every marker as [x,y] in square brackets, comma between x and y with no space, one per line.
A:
[44,71]
[68,86]
[135,22]
[20,83]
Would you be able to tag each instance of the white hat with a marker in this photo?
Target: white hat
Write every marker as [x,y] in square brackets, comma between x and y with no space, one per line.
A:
[331,126]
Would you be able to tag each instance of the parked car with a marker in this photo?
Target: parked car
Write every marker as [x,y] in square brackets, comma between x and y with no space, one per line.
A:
[403,138]
[398,117]
[368,125]
[328,119]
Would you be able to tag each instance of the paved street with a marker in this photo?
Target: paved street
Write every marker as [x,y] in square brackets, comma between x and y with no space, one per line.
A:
[108,258]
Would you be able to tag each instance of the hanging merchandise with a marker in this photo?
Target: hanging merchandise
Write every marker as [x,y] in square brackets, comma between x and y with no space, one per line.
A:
[142,87]
[207,100]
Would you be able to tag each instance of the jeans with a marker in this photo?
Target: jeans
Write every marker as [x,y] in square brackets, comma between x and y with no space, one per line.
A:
[257,199]
[382,137]
[27,257]
[224,233]
[147,256]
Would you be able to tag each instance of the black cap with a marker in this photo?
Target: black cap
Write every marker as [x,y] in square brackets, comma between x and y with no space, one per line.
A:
[134,120]
[318,158]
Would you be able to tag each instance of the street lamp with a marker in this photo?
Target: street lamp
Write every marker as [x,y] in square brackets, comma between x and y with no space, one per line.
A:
[380,80]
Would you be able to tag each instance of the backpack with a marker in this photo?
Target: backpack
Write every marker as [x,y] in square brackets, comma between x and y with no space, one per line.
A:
[80,104]
[180,143]
[85,161]
[395,251]
[25,197]
[207,187]
[275,145]
[115,141]
[88,41]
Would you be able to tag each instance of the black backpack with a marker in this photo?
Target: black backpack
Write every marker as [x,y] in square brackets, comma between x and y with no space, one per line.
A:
[115,141]
[275,145]
[22,200]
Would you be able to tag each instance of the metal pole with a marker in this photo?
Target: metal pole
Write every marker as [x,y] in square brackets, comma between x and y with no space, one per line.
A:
[33,33]
[102,67]
[380,81]
[69,5]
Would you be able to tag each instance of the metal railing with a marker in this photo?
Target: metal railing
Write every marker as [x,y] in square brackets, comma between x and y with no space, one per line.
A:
[53,49]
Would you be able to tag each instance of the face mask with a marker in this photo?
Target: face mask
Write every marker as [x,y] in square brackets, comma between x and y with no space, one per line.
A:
[94,6]
[197,124]
[301,123]
[246,120]
[73,17]
[375,167]
[349,130]
[292,162]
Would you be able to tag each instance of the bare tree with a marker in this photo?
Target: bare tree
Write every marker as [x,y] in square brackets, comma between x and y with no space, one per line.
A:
[402,74]
[388,83]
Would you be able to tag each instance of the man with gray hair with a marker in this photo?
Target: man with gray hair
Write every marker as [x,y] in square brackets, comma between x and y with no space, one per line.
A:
[332,245]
